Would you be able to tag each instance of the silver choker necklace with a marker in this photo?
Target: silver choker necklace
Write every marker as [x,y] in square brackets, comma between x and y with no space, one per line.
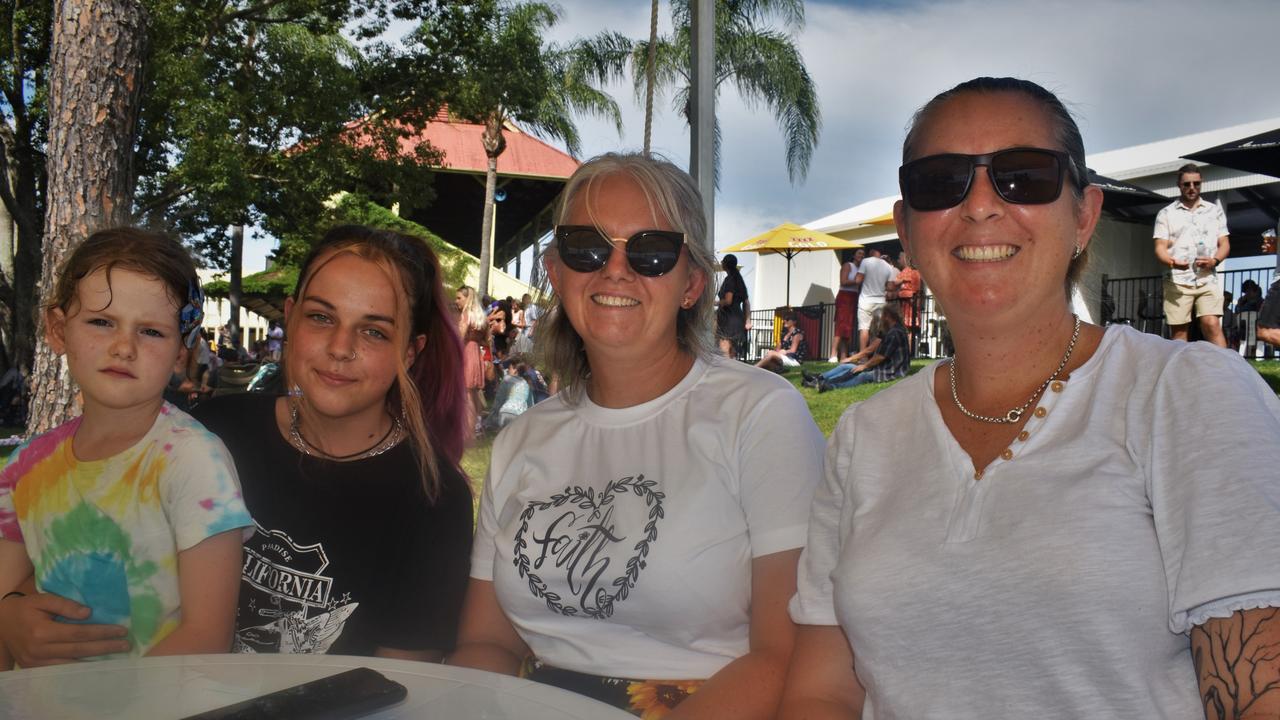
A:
[1015,414]
[393,437]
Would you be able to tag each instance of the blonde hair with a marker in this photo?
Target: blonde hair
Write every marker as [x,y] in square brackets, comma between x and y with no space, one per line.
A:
[471,316]
[671,194]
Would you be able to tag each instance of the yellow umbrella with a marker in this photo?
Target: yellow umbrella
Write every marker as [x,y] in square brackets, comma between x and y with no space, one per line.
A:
[788,240]
[885,219]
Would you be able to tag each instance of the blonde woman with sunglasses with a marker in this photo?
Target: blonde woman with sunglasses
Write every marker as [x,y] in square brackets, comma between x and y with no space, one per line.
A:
[1063,532]
[639,531]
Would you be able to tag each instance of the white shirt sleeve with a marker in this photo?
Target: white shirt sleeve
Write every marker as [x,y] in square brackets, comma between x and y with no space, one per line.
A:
[1213,484]
[1222,221]
[780,465]
[1161,229]
[814,601]
[483,548]
[201,491]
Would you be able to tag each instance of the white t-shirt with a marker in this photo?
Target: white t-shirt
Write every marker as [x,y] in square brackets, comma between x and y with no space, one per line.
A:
[1194,232]
[876,273]
[620,541]
[848,280]
[1061,584]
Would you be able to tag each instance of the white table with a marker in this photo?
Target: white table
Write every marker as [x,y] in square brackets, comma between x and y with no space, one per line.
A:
[175,687]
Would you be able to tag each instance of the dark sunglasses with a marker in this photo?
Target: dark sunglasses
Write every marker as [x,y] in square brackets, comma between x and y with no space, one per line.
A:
[1023,176]
[584,248]
[1191,183]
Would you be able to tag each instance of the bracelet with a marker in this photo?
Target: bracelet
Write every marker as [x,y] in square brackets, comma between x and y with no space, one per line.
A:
[13,593]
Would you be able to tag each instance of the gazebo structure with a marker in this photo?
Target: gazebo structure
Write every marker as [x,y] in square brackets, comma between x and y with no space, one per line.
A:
[531,174]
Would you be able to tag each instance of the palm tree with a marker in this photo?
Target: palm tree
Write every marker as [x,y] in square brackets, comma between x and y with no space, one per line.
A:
[512,76]
[762,62]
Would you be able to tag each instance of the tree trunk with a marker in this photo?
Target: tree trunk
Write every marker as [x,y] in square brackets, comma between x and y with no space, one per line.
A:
[494,144]
[237,231]
[25,167]
[26,274]
[95,72]
[233,294]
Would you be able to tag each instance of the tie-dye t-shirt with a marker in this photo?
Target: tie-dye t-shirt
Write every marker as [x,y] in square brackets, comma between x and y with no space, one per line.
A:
[107,533]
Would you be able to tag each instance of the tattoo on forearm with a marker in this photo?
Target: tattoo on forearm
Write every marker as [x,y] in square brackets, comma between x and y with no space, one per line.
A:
[1237,662]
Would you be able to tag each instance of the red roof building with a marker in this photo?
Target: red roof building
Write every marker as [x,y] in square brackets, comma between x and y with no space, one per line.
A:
[531,174]
[460,142]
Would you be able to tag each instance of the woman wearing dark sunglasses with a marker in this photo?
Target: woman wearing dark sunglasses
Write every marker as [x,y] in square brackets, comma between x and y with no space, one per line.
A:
[639,532]
[1066,526]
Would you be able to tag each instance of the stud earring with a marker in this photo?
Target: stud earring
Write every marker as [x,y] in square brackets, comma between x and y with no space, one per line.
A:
[1075,255]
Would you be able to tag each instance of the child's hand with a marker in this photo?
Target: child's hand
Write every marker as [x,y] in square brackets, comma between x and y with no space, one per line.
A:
[34,638]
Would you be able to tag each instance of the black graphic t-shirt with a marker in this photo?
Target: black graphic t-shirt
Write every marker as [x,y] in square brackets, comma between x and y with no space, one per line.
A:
[347,557]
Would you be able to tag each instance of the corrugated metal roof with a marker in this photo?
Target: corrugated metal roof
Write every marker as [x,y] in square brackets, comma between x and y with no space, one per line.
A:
[1166,156]
[460,144]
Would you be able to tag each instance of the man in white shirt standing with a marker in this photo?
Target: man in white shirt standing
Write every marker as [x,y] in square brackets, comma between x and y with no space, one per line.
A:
[1191,238]
[875,275]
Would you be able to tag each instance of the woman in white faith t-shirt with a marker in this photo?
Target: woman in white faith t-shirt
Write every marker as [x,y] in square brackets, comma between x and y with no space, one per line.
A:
[639,532]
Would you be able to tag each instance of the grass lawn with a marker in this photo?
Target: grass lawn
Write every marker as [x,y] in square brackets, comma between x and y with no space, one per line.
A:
[826,407]
[1270,371]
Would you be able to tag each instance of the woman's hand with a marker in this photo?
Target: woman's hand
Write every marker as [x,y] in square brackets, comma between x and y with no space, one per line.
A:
[34,638]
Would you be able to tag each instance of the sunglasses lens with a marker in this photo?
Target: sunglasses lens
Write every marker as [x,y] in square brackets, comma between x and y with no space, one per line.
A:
[1027,177]
[936,183]
[654,252]
[582,249]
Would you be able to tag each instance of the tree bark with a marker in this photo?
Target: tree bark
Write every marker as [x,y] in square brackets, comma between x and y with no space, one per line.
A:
[95,85]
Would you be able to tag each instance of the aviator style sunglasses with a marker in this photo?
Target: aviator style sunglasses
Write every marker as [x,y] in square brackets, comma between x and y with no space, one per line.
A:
[584,248]
[1023,176]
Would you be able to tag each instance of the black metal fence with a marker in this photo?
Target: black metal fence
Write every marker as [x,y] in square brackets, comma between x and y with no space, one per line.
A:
[1139,302]
[1135,301]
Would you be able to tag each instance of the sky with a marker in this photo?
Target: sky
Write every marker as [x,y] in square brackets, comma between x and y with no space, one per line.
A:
[1132,71]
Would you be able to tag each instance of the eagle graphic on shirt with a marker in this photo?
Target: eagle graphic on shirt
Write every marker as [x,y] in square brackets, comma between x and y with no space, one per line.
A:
[290,605]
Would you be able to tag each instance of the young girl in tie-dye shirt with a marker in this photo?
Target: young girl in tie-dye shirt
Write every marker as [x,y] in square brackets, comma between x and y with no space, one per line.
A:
[132,509]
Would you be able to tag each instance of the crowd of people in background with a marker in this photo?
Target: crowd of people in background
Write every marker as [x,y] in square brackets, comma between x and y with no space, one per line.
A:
[502,381]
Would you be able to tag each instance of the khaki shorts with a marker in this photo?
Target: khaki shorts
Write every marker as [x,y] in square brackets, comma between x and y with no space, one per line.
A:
[1178,300]
[864,316]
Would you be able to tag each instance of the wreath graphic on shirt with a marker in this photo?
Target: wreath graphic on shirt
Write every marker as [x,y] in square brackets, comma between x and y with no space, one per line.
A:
[577,541]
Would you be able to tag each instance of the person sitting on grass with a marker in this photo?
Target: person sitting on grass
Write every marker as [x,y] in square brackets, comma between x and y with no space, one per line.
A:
[131,512]
[877,333]
[513,397]
[889,360]
[792,350]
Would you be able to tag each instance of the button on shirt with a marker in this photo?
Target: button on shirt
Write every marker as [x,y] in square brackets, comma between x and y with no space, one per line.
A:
[1194,232]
